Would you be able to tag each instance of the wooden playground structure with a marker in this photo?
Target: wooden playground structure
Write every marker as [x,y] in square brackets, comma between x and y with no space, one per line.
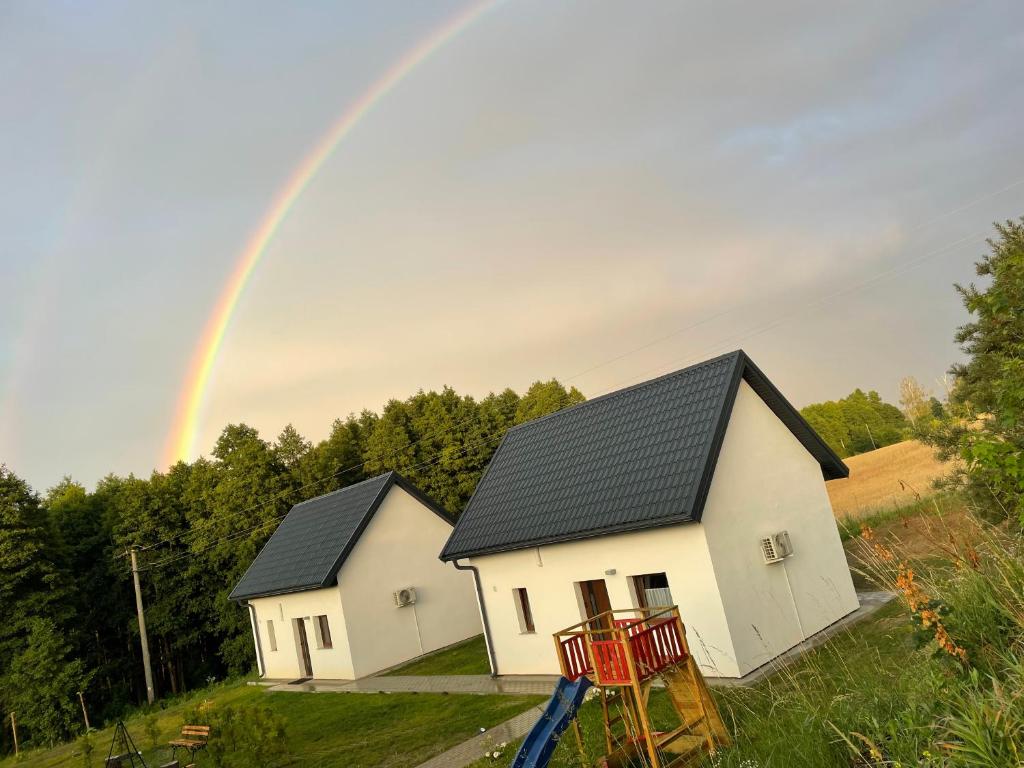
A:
[622,652]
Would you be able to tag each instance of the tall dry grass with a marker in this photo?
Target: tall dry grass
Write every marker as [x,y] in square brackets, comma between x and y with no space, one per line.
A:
[936,680]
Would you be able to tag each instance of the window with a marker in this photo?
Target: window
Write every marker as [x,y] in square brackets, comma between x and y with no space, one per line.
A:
[323,633]
[652,590]
[271,637]
[523,610]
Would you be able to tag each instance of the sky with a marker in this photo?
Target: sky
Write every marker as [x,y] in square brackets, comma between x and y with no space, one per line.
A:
[598,192]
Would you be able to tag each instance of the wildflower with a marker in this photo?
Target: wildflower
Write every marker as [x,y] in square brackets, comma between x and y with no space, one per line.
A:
[912,593]
[972,556]
[927,613]
[884,553]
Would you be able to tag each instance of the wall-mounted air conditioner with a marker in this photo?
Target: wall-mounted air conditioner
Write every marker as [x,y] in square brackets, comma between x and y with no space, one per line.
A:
[406,596]
[777,547]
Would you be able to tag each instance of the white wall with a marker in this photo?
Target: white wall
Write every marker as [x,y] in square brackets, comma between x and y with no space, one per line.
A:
[399,548]
[328,663]
[766,481]
[549,574]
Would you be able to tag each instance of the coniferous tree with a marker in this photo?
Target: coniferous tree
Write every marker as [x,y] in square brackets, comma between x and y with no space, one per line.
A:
[985,422]
[544,397]
[198,526]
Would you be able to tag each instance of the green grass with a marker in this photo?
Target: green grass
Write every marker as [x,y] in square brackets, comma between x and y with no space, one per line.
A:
[850,527]
[468,658]
[783,721]
[324,730]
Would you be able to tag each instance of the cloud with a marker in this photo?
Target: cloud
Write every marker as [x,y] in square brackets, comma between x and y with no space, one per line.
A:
[558,185]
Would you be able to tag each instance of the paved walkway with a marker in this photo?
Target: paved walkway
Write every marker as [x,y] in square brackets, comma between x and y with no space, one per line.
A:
[870,602]
[520,685]
[512,730]
[542,685]
[468,752]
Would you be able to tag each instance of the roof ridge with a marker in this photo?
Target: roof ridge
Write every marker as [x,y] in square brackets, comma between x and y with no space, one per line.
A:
[345,488]
[631,388]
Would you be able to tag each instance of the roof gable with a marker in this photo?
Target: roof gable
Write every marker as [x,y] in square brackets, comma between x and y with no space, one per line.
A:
[641,457]
[313,541]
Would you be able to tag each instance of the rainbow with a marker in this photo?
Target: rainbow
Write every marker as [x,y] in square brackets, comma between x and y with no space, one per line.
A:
[184,429]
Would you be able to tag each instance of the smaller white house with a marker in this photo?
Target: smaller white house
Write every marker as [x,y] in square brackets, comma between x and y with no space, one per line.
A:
[704,488]
[350,584]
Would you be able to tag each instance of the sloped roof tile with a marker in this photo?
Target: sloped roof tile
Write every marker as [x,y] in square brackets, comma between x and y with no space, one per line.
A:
[310,545]
[637,458]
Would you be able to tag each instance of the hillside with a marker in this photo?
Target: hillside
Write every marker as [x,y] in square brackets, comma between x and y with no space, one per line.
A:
[887,478]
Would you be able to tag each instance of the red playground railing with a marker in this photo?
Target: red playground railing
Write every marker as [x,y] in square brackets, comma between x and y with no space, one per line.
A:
[614,651]
[574,657]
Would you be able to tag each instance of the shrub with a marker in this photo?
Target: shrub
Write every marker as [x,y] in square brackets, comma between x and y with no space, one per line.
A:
[152,728]
[86,747]
[241,735]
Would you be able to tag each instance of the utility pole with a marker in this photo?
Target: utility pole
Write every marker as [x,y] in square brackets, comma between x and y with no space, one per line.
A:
[142,629]
[871,436]
[85,715]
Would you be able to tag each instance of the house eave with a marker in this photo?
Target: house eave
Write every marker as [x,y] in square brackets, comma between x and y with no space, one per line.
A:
[575,536]
[273,593]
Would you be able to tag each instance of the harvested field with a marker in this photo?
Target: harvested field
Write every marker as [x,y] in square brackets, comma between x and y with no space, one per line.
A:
[888,478]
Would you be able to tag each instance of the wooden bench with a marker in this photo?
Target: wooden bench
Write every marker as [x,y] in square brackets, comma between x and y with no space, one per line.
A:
[193,738]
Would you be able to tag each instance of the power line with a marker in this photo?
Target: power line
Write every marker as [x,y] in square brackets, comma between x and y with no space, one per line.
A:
[492,437]
[777,321]
[898,269]
[691,326]
[757,330]
[288,492]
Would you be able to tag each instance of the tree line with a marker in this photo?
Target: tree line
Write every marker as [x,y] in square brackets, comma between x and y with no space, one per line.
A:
[69,609]
[65,584]
[858,423]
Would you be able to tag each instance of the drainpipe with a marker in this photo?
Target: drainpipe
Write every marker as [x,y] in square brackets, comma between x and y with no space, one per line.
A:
[256,635]
[483,613]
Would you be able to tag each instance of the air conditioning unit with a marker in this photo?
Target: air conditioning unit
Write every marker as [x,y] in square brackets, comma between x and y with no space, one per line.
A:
[777,547]
[406,596]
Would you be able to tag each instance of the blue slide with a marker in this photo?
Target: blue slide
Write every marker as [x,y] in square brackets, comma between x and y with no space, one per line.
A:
[542,739]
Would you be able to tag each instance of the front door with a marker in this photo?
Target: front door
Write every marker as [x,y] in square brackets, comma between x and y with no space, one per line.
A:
[596,602]
[305,665]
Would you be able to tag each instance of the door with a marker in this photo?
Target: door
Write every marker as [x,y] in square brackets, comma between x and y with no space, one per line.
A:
[305,665]
[596,602]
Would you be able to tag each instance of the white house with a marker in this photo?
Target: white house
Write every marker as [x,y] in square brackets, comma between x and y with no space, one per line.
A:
[662,493]
[350,584]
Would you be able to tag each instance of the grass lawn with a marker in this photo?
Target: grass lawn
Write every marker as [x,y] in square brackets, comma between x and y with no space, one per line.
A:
[324,730]
[769,721]
[467,658]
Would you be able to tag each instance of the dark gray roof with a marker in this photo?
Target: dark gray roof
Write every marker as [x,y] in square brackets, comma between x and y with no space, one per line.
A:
[638,458]
[311,543]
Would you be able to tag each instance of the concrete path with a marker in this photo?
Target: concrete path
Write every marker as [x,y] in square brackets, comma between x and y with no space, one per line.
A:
[512,730]
[543,685]
[870,602]
[520,685]
[468,752]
